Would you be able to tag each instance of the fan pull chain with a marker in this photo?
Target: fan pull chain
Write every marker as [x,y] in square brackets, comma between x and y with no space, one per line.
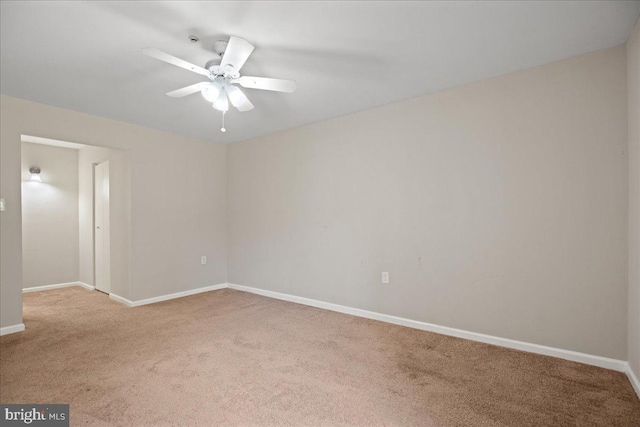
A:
[223,129]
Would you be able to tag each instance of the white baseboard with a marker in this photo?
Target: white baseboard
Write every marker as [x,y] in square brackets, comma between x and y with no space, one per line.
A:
[634,379]
[56,286]
[121,300]
[166,297]
[12,329]
[87,286]
[603,362]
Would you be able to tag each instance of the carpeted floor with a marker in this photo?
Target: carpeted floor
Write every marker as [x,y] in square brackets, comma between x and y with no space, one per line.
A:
[234,358]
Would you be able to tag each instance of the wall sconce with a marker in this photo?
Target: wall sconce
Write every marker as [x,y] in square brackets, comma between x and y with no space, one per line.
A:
[35,174]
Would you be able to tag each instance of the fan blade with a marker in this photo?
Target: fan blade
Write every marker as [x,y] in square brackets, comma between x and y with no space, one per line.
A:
[238,98]
[158,54]
[236,53]
[266,83]
[179,93]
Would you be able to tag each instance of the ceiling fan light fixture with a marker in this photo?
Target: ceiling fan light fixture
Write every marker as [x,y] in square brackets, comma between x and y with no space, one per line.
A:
[222,102]
[234,94]
[237,98]
[211,92]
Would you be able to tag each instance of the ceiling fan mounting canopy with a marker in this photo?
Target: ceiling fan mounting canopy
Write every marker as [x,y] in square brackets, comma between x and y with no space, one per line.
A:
[223,75]
[220,46]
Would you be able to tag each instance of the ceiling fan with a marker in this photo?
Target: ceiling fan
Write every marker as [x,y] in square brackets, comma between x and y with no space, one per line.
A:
[224,74]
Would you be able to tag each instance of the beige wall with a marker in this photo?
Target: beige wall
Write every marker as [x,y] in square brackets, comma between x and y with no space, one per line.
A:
[498,207]
[178,201]
[49,216]
[633,74]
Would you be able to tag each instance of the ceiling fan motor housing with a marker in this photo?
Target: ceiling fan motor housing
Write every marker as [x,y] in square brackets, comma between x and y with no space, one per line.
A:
[212,63]
[227,71]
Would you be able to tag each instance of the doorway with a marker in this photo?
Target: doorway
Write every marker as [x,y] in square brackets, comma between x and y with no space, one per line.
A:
[102,228]
[75,212]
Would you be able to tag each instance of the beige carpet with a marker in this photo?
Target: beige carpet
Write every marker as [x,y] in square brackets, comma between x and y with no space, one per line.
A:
[233,358]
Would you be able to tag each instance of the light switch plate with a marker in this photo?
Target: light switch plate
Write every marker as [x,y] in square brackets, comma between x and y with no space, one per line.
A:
[385,277]
[1,205]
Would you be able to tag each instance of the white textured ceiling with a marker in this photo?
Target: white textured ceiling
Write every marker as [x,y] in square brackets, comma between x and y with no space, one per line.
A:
[345,56]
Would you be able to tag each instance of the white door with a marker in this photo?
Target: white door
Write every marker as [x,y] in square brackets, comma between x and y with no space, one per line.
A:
[102,228]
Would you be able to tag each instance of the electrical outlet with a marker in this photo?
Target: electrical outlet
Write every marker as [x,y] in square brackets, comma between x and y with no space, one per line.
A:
[385,277]
[203,260]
